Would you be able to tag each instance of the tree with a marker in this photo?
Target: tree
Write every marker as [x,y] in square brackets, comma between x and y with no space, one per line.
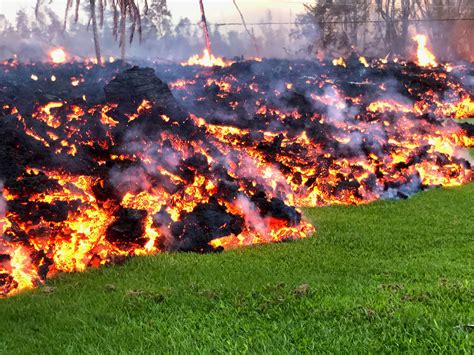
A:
[22,24]
[453,39]
[123,11]
[160,17]
[93,18]
[385,26]
[338,23]
[396,15]
[183,28]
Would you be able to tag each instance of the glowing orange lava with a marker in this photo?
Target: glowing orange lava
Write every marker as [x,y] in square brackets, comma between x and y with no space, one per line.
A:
[73,214]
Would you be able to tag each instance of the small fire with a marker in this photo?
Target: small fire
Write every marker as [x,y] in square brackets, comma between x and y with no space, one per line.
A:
[424,57]
[363,61]
[207,59]
[58,56]
[339,61]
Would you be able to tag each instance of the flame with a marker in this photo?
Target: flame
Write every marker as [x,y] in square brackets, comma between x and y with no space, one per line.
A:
[424,57]
[207,59]
[58,56]
[143,107]
[339,62]
[363,61]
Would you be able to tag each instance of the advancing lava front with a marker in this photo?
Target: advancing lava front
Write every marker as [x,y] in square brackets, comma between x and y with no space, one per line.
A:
[98,163]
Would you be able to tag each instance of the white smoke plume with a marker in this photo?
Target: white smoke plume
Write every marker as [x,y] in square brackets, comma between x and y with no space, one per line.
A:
[3,207]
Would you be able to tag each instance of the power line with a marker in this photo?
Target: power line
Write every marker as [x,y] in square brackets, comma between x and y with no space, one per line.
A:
[224,24]
[427,6]
[340,22]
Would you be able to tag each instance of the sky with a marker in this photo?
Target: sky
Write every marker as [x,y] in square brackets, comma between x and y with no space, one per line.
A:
[217,10]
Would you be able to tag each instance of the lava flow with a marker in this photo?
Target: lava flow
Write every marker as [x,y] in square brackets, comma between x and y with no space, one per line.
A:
[220,157]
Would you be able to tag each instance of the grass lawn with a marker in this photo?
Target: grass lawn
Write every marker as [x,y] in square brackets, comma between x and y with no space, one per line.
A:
[387,277]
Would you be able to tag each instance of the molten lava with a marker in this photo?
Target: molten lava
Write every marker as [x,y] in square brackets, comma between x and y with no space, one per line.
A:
[222,160]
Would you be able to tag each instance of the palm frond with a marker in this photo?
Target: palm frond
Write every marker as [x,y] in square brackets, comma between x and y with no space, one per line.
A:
[123,11]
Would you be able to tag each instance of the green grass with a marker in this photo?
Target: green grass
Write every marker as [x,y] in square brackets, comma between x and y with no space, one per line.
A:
[391,276]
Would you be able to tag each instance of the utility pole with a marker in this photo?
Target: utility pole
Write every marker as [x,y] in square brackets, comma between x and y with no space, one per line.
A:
[205,27]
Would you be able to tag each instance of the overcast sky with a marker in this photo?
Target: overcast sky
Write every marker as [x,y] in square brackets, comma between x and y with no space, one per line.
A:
[217,10]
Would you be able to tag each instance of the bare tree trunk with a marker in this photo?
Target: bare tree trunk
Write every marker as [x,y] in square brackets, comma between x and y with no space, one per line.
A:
[402,44]
[123,33]
[96,32]
[206,29]
[387,10]
[66,13]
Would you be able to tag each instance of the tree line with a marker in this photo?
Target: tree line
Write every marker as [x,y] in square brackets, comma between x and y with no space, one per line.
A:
[327,28]
[387,26]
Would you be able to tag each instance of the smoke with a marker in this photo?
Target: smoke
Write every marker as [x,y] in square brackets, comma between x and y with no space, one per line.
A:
[320,31]
[3,207]
[252,216]
[137,141]
[338,110]
[133,179]
[3,202]
[157,156]
[31,41]
[412,186]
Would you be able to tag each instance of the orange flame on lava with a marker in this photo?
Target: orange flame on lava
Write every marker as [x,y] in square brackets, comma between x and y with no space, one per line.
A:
[339,61]
[424,57]
[207,59]
[58,56]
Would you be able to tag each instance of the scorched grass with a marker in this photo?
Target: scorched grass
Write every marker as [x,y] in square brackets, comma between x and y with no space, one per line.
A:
[387,277]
